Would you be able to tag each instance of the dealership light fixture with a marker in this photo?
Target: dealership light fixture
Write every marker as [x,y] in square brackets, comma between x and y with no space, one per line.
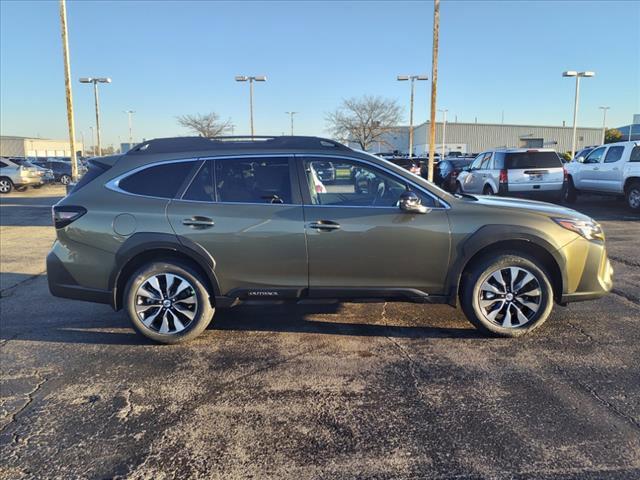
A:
[578,76]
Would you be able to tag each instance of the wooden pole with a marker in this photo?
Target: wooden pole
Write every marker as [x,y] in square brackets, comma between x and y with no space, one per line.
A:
[434,86]
[69,94]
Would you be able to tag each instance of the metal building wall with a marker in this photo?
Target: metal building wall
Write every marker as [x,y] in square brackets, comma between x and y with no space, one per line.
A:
[483,136]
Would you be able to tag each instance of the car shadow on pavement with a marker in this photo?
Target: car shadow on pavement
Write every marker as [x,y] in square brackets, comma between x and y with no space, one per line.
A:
[105,327]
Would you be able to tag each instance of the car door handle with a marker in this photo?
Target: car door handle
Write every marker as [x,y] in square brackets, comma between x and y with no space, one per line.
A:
[324,225]
[596,168]
[198,222]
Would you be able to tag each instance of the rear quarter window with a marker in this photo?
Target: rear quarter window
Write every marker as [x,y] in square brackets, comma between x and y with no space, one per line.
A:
[163,181]
[521,160]
[635,154]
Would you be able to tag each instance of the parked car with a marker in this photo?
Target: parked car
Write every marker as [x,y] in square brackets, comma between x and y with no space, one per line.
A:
[19,177]
[46,173]
[411,164]
[61,170]
[180,227]
[448,171]
[514,172]
[612,169]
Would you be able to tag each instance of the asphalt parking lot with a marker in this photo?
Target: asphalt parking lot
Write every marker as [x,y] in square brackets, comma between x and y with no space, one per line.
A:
[323,391]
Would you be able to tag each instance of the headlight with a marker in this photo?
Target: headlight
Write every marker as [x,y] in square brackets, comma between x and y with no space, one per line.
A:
[587,229]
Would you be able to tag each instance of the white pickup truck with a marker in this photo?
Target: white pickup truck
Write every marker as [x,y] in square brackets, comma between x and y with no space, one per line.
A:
[612,169]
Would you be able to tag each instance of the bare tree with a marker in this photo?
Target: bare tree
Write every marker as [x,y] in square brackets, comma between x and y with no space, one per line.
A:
[364,120]
[206,125]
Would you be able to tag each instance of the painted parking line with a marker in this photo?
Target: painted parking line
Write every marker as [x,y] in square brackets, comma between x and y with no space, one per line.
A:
[22,205]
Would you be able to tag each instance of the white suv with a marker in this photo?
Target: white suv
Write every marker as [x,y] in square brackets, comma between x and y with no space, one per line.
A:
[514,172]
[612,169]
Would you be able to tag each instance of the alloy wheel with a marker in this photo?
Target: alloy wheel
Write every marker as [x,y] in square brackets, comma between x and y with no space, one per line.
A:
[5,186]
[65,179]
[166,303]
[510,297]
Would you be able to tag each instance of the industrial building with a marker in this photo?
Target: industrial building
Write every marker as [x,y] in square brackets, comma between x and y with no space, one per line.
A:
[35,147]
[476,137]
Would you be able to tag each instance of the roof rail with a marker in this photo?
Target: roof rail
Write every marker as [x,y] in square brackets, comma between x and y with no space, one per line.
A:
[187,144]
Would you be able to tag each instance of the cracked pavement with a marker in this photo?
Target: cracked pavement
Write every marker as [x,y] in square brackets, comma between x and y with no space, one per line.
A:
[314,391]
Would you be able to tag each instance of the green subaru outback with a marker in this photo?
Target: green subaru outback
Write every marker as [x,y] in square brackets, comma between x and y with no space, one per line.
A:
[178,227]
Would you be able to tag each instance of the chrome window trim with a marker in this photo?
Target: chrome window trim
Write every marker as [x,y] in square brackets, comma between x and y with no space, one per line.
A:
[114,183]
[437,199]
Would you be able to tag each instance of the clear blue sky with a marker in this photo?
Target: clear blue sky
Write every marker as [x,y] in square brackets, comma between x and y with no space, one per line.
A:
[169,58]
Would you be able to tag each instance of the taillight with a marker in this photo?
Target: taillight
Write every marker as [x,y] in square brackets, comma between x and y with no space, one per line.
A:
[65,214]
[454,174]
[504,176]
[565,174]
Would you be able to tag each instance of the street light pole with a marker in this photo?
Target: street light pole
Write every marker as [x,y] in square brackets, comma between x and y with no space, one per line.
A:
[578,75]
[129,113]
[93,142]
[95,81]
[291,114]
[444,131]
[245,78]
[604,122]
[413,78]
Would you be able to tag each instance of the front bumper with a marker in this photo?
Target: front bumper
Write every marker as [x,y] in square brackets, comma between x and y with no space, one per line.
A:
[28,181]
[588,271]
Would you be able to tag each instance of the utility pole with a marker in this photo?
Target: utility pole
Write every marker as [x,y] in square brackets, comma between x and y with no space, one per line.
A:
[604,122]
[129,113]
[68,92]
[434,86]
[291,114]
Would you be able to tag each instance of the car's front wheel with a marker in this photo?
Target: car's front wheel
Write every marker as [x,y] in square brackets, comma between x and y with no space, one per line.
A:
[168,302]
[6,185]
[508,295]
[65,179]
[632,195]
[569,192]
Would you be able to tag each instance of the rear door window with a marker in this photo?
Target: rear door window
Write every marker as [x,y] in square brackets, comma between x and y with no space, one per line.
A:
[162,181]
[523,160]
[635,154]
[613,154]
[253,180]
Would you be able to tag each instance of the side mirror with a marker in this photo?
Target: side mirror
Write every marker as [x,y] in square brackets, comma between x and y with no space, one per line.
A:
[580,159]
[409,202]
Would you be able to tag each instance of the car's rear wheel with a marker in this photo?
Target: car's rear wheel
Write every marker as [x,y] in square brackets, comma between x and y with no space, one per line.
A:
[65,179]
[168,302]
[509,296]
[6,185]
[569,192]
[487,190]
[632,195]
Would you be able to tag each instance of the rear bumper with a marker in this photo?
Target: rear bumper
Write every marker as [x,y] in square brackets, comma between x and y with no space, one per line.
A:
[62,284]
[589,271]
[547,194]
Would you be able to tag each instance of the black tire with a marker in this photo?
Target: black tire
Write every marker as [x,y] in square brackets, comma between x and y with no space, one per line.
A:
[20,189]
[6,185]
[458,189]
[37,186]
[569,192]
[632,196]
[472,294]
[65,179]
[487,190]
[202,311]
